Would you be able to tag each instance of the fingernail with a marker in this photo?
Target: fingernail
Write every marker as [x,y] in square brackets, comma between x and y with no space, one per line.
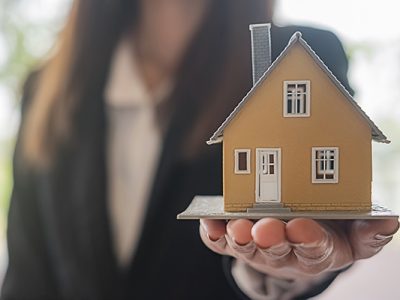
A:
[380,240]
[205,229]
[248,248]
[381,237]
[314,253]
[220,240]
[307,246]
[277,252]
[314,245]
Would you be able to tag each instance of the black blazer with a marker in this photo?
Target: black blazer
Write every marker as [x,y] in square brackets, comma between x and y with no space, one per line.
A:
[59,235]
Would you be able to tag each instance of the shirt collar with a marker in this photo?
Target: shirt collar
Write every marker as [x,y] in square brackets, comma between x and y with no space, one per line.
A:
[125,86]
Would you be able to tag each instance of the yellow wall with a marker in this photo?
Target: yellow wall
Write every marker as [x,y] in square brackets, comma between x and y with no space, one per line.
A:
[333,123]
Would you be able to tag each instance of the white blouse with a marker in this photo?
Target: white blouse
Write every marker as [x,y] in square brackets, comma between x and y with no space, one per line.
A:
[134,142]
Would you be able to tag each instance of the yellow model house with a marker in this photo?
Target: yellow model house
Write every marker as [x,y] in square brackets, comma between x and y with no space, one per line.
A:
[298,141]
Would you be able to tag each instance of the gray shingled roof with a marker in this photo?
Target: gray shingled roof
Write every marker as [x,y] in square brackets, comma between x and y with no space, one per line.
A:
[377,134]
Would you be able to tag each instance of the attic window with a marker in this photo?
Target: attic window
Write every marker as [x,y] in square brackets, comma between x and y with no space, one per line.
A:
[325,165]
[296,98]
[242,161]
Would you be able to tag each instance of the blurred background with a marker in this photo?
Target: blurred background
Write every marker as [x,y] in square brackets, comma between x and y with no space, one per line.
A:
[371,37]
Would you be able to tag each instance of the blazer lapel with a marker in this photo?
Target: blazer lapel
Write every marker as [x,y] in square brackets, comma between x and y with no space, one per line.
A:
[91,201]
[78,211]
[180,122]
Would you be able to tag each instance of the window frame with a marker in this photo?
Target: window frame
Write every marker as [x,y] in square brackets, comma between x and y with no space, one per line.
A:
[247,171]
[308,99]
[335,178]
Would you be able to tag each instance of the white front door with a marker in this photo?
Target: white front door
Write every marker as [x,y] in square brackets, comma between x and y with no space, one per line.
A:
[268,175]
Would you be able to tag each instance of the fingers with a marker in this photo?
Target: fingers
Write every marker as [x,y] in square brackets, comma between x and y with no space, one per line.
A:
[263,244]
[215,228]
[312,245]
[240,231]
[232,238]
[239,238]
[270,237]
[304,231]
[302,246]
[212,233]
[369,237]
[268,232]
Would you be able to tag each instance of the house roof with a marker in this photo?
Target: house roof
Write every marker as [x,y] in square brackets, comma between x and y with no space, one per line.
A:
[377,134]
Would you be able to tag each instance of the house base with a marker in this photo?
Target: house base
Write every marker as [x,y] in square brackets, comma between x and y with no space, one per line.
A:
[268,207]
[278,207]
[212,207]
[329,207]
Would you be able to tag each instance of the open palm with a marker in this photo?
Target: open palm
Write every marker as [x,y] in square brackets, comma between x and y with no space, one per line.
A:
[300,247]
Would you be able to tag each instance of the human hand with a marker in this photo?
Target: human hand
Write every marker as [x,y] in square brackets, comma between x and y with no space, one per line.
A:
[300,247]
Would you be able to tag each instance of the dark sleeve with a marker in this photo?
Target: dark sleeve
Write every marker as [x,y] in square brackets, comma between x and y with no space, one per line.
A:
[325,44]
[29,274]
[330,49]
[312,291]
[227,266]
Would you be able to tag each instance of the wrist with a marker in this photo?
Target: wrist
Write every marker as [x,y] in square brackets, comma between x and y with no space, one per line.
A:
[274,285]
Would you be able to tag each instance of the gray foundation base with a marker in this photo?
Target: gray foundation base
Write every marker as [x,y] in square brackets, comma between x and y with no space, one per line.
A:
[269,208]
[212,207]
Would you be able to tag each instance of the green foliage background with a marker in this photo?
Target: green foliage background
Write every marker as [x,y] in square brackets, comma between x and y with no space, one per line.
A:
[24,39]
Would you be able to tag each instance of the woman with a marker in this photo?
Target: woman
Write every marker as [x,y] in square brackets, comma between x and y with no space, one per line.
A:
[111,147]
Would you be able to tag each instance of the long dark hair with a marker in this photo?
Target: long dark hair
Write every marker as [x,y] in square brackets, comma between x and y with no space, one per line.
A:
[77,69]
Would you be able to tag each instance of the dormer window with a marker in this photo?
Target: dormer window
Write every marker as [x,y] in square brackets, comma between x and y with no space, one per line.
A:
[296,98]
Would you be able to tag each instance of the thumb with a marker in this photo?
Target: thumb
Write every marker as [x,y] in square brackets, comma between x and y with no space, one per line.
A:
[368,237]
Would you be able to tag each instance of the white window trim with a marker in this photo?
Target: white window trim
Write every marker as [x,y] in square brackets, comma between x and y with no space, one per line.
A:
[237,151]
[336,166]
[308,98]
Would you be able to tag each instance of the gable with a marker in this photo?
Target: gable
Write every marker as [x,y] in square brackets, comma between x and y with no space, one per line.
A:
[301,63]
[261,121]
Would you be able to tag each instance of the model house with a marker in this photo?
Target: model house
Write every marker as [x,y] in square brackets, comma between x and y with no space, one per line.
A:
[298,141]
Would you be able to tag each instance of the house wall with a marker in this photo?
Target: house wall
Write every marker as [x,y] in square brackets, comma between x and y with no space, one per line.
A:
[333,123]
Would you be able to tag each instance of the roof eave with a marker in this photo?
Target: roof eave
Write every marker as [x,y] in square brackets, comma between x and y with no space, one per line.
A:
[380,139]
[215,140]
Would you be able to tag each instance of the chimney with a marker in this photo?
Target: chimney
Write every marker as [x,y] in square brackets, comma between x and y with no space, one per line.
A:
[260,49]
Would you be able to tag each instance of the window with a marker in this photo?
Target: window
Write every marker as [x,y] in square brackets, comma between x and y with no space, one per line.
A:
[242,161]
[325,165]
[268,164]
[296,98]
